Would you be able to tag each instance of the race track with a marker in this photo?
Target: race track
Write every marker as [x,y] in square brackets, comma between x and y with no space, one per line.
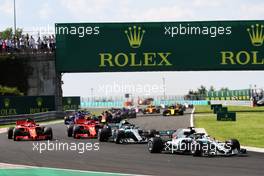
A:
[130,158]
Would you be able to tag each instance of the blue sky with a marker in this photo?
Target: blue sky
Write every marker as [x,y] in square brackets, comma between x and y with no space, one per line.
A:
[32,13]
[41,13]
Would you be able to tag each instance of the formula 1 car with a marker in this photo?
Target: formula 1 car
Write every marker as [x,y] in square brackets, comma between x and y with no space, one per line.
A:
[72,117]
[151,110]
[69,116]
[29,130]
[187,141]
[146,101]
[83,128]
[174,110]
[123,113]
[124,132]
[116,115]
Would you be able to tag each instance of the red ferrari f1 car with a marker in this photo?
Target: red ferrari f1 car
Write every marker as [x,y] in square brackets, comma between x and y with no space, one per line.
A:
[84,128]
[29,130]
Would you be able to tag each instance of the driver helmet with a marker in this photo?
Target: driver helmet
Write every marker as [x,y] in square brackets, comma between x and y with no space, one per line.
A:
[29,120]
[125,122]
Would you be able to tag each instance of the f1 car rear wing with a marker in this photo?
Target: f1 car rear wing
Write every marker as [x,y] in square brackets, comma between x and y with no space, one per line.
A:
[114,125]
[84,121]
[166,132]
[166,135]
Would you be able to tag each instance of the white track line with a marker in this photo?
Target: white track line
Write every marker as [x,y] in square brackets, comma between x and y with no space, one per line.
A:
[191,119]
[14,166]
[198,130]
[254,149]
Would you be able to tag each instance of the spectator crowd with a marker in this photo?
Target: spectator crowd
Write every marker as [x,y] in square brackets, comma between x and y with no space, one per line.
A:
[27,43]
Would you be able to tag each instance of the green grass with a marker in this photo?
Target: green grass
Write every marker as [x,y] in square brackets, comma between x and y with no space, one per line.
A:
[207,109]
[46,122]
[248,129]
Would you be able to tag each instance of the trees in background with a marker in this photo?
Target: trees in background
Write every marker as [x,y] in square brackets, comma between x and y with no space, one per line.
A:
[9,91]
[200,93]
[8,33]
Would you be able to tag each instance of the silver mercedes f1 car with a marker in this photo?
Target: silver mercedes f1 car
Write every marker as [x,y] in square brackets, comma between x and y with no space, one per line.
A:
[188,141]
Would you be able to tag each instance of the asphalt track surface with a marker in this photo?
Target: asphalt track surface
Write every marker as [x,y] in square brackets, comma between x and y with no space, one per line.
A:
[130,158]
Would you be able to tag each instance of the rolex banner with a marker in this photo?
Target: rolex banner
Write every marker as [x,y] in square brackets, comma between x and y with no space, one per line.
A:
[71,103]
[14,105]
[160,46]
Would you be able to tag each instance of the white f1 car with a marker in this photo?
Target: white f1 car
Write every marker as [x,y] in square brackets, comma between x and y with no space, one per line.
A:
[124,132]
[187,141]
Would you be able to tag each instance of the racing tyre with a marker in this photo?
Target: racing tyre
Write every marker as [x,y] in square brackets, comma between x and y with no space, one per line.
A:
[181,112]
[10,132]
[120,137]
[185,147]
[155,145]
[76,130]
[103,135]
[40,130]
[17,132]
[234,144]
[48,132]
[70,131]
[165,113]
[197,150]
[66,120]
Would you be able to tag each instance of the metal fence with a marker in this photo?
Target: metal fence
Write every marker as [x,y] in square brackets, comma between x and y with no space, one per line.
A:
[85,104]
[232,102]
[131,97]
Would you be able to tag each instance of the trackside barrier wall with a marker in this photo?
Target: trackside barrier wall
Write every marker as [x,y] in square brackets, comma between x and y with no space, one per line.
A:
[85,104]
[39,117]
[15,105]
[71,103]
[232,102]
